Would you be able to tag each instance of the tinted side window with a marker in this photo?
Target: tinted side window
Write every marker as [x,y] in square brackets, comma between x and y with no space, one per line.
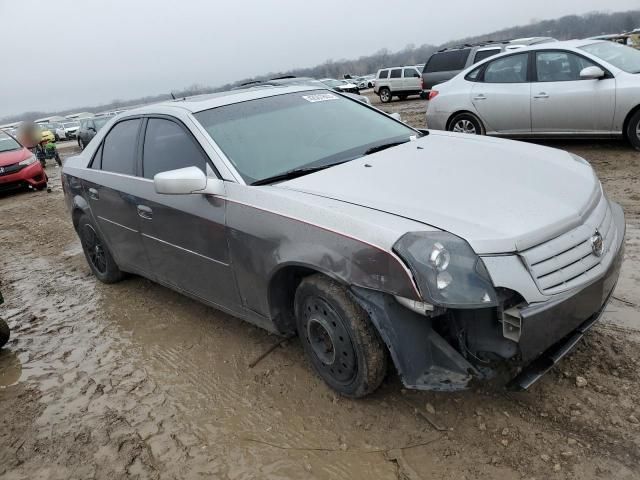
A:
[396,73]
[410,73]
[168,147]
[559,66]
[482,54]
[383,74]
[512,69]
[446,61]
[119,149]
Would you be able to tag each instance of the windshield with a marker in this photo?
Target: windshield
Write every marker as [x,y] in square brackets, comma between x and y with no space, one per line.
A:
[621,56]
[269,136]
[7,143]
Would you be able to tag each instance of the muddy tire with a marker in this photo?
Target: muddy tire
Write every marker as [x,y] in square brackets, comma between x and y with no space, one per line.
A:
[96,252]
[633,130]
[466,123]
[4,333]
[338,337]
[385,95]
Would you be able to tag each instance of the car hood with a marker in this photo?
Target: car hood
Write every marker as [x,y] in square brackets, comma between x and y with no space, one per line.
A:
[14,156]
[499,195]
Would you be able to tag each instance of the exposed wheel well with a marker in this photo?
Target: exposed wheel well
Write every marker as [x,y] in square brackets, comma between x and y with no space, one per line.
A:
[282,291]
[628,119]
[454,114]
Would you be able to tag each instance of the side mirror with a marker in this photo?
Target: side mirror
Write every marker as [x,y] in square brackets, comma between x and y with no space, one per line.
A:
[396,116]
[591,73]
[185,181]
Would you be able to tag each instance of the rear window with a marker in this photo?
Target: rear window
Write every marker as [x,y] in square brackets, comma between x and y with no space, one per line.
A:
[482,54]
[383,74]
[447,61]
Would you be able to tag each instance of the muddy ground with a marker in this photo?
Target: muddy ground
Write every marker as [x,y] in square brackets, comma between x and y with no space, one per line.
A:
[135,381]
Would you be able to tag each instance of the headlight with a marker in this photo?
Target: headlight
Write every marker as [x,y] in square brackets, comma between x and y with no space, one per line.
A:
[28,161]
[448,271]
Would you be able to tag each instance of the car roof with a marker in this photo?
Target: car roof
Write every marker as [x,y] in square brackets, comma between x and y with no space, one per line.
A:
[199,103]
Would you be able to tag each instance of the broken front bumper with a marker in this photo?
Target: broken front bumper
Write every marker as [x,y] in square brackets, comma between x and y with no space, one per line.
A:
[546,332]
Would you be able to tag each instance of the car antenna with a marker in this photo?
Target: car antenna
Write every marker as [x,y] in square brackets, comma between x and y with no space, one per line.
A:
[172,95]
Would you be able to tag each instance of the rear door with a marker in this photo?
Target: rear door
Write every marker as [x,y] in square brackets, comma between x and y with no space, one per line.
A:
[501,95]
[110,189]
[184,235]
[561,102]
[395,80]
[411,79]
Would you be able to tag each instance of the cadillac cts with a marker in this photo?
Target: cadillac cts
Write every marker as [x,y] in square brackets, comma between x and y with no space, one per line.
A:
[304,211]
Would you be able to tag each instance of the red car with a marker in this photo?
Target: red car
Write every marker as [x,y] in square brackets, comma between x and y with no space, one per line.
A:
[19,167]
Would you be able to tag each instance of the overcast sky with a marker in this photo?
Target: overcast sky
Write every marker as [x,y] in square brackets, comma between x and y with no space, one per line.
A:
[59,54]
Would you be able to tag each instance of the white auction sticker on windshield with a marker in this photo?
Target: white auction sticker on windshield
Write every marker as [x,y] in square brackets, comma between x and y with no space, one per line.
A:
[319,97]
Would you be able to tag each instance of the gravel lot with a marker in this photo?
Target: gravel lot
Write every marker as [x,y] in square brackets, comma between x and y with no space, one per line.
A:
[135,381]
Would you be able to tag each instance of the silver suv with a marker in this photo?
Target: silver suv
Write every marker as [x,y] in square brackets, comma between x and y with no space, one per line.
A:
[448,62]
[397,82]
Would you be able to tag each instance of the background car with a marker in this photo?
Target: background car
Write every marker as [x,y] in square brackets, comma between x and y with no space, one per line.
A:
[345,86]
[71,129]
[575,88]
[397,82]
[448,62]
[19,167]
[88,129]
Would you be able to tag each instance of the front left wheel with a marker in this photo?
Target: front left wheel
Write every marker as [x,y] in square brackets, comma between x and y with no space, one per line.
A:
[338,338]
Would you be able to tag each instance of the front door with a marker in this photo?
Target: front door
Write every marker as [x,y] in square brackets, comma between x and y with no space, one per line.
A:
[109,188]
[501,95]
[561,102]
[184,235]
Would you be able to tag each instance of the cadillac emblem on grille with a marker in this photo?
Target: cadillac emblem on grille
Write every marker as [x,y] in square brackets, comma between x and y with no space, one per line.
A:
[597,245]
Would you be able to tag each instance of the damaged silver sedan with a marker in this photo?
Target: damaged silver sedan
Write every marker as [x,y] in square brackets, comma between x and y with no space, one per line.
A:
[305,212]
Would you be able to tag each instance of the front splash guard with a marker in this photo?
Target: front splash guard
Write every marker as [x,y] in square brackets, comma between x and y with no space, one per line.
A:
[424,360]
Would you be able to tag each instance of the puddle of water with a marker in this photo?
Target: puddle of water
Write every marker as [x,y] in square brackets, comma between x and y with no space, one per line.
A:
[10,368]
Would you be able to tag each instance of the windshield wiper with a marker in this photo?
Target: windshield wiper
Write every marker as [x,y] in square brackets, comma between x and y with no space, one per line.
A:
[295,173]
[384,146]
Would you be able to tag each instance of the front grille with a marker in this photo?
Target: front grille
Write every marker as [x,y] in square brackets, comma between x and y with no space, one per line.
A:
[568,261]
[9,169]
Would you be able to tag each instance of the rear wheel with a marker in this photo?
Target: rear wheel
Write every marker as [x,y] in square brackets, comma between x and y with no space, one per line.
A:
[96,252]
[466,123]
[633,130]
[385,95]
[338,337]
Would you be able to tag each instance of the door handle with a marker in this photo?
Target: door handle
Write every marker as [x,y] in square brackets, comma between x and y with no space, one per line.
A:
[480,96]
[93,193]
[145,212]
[541,95]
